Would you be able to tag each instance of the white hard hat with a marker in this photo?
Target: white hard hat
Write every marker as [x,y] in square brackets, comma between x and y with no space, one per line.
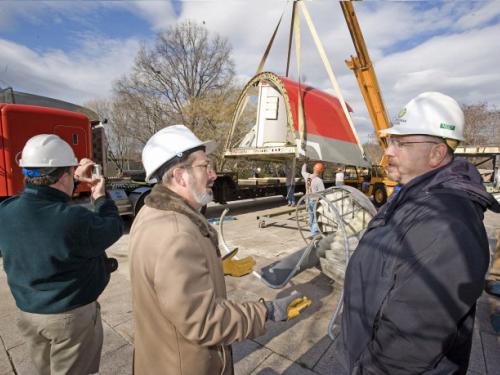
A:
[168,143]
[430,113]
[47,151]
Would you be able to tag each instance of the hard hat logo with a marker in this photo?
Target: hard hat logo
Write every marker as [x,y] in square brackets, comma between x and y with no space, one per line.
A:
[447,126]
[430,113]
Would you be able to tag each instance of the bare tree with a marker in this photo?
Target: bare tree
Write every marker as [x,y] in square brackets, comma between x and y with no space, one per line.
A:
[186,77]
[482,127]
[373,150]
[121,146]
[481,124]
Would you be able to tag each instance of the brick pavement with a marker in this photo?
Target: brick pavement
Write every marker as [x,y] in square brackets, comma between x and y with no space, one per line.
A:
[300,346]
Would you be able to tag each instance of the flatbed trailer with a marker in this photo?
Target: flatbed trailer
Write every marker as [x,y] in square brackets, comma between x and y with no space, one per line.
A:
[486,153]
[228,187]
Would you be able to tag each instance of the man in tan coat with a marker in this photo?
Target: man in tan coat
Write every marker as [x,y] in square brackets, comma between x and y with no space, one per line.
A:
[183,322]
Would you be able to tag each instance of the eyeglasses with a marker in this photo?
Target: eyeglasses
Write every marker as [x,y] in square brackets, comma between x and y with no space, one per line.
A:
[397,143]
[208,167]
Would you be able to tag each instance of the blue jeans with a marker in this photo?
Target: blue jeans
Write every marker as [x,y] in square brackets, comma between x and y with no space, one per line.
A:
[313,224]
[290,194]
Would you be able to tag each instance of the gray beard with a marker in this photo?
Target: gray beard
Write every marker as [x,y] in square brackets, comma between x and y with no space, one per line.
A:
[204,197]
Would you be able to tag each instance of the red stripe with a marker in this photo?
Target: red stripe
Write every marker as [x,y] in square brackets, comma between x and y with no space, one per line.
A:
[323,112]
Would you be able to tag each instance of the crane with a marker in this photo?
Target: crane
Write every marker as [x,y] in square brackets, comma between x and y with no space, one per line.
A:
[380,187]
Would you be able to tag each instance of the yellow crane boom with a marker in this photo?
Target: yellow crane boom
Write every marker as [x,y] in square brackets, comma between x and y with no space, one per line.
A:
[363,69]
[379,186]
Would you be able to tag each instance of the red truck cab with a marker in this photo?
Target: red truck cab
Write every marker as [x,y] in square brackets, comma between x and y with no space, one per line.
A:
[19,122]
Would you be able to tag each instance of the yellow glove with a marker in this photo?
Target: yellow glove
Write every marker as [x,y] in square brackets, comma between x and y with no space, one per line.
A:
[237,267]
[286,308]
[297,305]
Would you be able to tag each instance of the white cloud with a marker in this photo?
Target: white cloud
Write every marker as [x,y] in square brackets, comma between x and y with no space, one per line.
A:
[363,126]
[14,13]
[75,77]
[461,65]
[159,13]
[415,46]
[248,26]
[484,13]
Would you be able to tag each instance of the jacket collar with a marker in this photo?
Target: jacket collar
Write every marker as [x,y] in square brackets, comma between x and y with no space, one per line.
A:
[162,198]
[459,176]
[45,192]
[410,190]
[463,176]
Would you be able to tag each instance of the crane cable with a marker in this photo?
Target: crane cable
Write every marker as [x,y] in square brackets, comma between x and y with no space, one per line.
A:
[260,67]
[300,109]
[330,73]
[321,51]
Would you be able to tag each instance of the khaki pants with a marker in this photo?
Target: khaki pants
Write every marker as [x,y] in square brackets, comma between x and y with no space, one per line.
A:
[65,343]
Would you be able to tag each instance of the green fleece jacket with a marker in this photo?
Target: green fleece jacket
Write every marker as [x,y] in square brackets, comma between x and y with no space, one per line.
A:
[54,253]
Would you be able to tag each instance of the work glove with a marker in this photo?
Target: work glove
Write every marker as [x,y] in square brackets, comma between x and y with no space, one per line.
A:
[286,308]
[237,267]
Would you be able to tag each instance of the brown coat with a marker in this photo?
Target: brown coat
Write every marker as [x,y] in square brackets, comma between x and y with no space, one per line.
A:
[183,322]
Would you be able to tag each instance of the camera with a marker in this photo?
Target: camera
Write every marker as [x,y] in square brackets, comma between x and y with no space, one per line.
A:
[96,171]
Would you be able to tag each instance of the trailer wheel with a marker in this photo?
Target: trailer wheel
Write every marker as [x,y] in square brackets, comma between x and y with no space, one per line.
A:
[139,205]
[379,195]
[137,197]
[222,189]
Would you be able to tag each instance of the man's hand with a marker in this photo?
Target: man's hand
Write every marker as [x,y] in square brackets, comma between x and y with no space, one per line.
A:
[83,173]
[287,308]
[97,190]
[237,267]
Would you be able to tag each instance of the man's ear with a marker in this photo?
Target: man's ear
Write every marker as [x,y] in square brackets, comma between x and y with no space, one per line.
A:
[70,171]
[438,155]
[178,177]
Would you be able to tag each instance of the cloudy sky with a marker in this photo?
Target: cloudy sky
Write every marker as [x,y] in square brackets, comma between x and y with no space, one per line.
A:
[74,50]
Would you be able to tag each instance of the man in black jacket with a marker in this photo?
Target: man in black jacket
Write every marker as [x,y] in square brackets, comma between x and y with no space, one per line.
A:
[54,257]
[411,285]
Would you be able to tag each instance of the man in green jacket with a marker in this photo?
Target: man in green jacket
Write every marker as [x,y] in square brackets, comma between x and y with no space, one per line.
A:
[54,257]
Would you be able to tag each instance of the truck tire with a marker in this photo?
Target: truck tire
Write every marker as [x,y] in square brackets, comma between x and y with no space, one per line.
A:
[379,195]
[222,189]
[220,192]
[139,205]
[137,197]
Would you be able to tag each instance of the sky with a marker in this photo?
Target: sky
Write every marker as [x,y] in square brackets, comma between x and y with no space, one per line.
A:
[76,50]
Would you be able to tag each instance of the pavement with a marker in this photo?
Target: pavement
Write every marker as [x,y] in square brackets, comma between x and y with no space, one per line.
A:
[300,346]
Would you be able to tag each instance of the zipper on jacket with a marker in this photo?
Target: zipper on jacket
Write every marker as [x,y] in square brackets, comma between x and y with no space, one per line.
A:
[381,309]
